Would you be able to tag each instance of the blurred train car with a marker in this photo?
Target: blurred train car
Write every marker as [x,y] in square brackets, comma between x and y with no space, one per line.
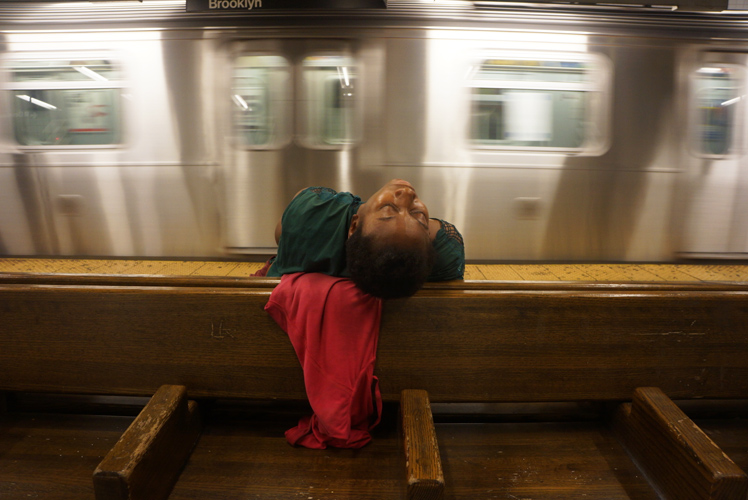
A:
[553,133]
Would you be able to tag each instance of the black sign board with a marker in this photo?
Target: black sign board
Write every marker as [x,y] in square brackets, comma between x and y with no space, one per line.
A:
[262,5]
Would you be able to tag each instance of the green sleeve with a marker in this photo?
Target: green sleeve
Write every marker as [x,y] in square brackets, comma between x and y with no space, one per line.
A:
[450,254]
[313,234]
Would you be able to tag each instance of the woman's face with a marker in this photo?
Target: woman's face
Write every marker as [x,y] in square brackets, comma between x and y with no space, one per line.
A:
[395,214]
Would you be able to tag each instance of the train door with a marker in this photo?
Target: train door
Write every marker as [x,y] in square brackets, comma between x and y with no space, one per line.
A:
[715,222]
[295,122]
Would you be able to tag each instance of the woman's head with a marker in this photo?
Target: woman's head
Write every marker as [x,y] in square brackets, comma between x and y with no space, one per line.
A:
[389,251]
[393,214]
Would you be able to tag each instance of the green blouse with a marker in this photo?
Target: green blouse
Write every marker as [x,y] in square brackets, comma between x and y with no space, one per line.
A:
[315,228]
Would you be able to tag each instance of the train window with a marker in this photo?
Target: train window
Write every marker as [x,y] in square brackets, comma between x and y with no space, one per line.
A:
[549,103]
[328,114]
[66,102]
[259,94]
[718,93]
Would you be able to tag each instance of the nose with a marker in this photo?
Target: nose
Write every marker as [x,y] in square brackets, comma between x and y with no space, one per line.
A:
[405,192]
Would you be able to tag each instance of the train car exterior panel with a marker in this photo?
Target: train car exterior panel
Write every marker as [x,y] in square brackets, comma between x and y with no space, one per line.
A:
[571,134]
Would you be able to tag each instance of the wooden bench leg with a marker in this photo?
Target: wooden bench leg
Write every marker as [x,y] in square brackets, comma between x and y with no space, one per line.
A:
[675,455]
[147,460]
[425,480]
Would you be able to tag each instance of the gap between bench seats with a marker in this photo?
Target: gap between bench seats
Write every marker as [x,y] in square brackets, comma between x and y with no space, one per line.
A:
[678,460]
[243,453]
[53,454]
[147,461]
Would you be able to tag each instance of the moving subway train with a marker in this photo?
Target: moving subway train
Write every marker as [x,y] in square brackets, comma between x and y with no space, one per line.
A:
[556,133]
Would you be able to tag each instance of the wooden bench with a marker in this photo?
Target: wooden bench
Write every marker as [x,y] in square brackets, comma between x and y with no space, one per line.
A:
[541,391]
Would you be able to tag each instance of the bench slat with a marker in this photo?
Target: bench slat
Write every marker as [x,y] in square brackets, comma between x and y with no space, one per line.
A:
[565,346]
[132,340]
[474,345]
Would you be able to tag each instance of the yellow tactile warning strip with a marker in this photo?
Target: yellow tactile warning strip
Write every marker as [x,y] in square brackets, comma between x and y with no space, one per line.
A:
[132,267]
[608,272]
[500,272]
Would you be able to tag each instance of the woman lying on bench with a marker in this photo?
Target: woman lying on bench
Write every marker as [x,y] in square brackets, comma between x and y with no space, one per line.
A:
[387,245]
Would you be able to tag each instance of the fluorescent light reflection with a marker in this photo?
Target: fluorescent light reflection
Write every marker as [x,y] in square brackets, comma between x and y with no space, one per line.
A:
[90,73]
[239,100]
[732,101]
[711,71]
[39,103]
[345,81]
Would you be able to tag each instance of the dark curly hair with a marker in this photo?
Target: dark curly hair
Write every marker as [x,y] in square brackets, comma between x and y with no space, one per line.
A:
[385,270]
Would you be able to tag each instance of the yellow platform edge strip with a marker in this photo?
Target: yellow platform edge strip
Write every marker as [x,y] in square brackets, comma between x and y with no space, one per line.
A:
[499,272]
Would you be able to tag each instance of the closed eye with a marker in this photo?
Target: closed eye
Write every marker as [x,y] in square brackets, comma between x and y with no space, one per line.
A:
[387,212]
[420,217]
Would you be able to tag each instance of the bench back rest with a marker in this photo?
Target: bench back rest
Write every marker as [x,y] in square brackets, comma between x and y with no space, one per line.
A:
[460,342]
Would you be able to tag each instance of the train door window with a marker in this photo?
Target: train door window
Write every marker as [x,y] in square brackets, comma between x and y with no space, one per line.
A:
[260,91]
[551,103]
[718,92]
[328,111]
[66,102]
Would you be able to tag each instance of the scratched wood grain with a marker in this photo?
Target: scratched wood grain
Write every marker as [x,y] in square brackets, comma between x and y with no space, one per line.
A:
[424,477]
[481,344]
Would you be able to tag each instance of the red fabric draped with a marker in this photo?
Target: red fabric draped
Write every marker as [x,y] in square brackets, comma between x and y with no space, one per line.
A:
[334,329]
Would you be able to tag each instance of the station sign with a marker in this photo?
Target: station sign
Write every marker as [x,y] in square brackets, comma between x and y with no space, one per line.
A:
[263,5]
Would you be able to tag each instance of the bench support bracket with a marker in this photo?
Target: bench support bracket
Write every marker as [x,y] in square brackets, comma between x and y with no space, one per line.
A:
[678,458]
[425,480]
[148,458]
